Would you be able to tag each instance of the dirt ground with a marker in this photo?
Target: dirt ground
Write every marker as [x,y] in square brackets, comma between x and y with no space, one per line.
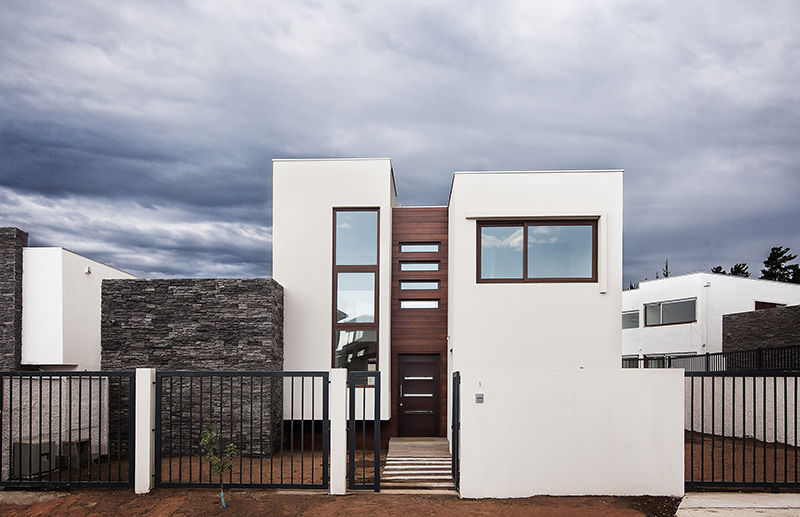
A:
[191,502]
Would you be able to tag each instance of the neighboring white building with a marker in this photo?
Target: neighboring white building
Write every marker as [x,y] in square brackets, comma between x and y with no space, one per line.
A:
[516,285]
[61,308]
[683,314]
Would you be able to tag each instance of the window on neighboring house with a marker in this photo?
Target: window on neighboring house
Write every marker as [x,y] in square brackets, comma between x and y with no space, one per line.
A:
[537,251]
[419,247]
[768,305]
[670,312]
[355,285]
[630,319]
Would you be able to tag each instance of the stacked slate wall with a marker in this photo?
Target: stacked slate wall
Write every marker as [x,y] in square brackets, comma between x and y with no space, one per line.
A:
[12,240]
[767,328]
[209,325]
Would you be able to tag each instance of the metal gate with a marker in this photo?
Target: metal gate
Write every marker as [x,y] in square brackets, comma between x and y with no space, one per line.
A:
[278,422]
[61,429]
[741,429]
[363,471]
[456,429]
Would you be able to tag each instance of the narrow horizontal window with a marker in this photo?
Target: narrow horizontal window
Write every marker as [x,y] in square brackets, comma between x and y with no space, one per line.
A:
[630,319]
[419,266]
[419,304]
[419,247]
[409,285]
[670,312]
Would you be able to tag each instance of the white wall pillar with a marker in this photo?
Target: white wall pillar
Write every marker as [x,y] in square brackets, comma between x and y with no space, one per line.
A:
[337,396]
[145,430]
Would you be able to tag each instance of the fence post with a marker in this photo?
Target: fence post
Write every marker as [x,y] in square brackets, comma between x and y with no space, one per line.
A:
[145,412]
[707,354]
[338,435]
[760,360]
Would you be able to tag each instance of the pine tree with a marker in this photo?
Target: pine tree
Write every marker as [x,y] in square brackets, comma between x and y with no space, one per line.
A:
[718,270]
[665,270]
[776,267]
[740,269]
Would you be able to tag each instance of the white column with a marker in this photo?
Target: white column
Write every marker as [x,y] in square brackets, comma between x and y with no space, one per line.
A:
[145,430]
[337,396]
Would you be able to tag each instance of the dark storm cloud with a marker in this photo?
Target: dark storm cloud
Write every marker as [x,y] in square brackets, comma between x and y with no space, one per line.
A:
[141,134]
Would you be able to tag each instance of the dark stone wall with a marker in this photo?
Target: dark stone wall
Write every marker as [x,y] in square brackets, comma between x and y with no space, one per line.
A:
[768,328]
[12,240]
[211,325]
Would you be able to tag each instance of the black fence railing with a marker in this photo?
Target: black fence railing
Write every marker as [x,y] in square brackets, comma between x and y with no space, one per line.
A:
[278,422]
[363,440]
[778,359]
[741,429]
[67,429]
[456,428]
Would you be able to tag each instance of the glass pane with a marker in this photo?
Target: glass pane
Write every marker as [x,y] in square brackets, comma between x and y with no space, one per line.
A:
[501,252]
[355,298]
[357,238]
[418,286]
[652,314]
[419,304]
[355,349]
[560,251]
[419,248]
[630,320]
[677,312]
[419,266]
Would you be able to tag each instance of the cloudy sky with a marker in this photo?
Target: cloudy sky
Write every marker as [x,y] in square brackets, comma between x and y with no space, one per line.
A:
[141,134]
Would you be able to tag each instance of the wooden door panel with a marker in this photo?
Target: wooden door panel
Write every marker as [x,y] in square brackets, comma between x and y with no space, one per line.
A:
[418,395]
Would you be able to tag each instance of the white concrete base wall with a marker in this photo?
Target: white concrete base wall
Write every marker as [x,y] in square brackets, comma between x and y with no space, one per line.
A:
[145,453]
[582,432]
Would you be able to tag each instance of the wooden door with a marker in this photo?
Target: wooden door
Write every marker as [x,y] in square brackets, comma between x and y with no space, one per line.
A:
[418,395]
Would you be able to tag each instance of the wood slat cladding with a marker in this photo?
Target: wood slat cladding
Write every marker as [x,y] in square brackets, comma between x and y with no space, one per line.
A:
[419,331]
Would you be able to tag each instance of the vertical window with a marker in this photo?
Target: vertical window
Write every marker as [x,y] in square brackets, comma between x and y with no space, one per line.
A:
[355,281]
[538,251]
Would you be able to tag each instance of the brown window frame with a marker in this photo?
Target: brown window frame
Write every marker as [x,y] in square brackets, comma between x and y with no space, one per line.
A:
[375,269]
[659,324]
[525,223]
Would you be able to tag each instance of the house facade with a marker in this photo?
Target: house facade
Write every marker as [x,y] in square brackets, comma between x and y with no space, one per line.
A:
[683,314]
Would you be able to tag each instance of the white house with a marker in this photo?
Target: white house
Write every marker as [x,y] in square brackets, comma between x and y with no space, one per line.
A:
[516,285]
[61,308]
[683,314]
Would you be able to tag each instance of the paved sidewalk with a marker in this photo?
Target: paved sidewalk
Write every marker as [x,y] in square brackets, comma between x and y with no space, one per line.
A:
[738,504]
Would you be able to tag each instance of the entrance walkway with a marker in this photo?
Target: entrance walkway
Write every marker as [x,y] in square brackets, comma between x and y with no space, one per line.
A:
[737,504]
[417,463]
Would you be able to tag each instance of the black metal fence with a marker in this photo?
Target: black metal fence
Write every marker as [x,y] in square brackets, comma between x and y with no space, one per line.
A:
[278,422]
[67,429]
[779,359]
[456,427]
[741,429]
[363,443]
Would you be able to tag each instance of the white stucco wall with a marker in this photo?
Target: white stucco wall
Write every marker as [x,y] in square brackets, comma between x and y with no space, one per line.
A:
[535,325]
[61,308]
[567,433]
[304,195]
[716,295]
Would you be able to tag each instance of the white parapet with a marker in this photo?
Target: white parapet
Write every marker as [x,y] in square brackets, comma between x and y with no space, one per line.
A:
[145,430]
[338,434]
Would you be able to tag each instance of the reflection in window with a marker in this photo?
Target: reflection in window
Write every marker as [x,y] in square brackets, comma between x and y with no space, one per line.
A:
[419,248]
[419,266]
[355,349]
[356,237]
[560,251]
[355,298]
[501,251]
[419,304]
[411,285]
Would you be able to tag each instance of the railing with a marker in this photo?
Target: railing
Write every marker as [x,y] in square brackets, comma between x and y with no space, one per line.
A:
[778,359]
[278,422]
[456,429]
[363,471]
[67,429]
[741,429]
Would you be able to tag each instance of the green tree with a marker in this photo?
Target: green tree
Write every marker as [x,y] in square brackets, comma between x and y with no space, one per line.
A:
[777,267]
[740,269]
[719,270]
[665,270]
[220,460]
